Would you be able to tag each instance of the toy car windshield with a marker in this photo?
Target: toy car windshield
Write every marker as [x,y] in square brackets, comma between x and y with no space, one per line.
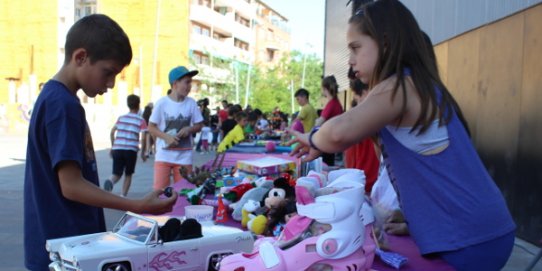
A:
[134,228]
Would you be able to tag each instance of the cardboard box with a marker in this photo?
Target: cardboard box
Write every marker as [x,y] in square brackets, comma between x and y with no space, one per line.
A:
[267,165]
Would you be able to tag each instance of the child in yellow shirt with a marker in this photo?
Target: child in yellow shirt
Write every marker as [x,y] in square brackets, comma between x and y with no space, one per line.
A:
[236,135]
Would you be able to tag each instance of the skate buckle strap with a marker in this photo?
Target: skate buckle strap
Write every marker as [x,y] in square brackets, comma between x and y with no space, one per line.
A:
[317,210]
[269,255]
[295,227]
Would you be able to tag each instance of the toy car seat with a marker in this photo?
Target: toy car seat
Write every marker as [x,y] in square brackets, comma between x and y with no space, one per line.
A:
[170,230]
[190,229]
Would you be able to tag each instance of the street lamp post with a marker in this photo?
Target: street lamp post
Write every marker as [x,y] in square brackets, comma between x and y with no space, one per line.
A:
[307,45]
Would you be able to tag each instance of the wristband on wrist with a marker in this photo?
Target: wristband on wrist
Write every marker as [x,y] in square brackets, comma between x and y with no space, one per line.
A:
[311,143]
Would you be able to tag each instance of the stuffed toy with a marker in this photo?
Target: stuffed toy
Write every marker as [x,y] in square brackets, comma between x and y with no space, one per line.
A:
[281,191]
[273,204]
[238,191]
[255,223]
[257,194]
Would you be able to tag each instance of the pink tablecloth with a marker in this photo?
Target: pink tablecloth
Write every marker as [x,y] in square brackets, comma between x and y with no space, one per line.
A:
[401,244]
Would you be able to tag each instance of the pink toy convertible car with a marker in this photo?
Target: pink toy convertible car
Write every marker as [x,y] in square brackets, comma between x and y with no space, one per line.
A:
[344,245]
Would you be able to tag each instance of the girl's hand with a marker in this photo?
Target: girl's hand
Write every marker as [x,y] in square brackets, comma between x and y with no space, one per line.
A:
[302,148]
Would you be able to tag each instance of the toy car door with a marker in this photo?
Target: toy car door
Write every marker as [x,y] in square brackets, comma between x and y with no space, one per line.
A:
[182,255]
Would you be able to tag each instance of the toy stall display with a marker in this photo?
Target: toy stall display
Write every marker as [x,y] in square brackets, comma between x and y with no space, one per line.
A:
[288,214]
[330,218]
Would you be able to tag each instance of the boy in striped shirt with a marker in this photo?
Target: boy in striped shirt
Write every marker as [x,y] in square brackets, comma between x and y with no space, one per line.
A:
[125,138]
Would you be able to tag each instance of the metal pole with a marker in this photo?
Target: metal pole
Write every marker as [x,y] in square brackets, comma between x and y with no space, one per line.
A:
[248,85]
[292,94]
[236,82]
[155,49]
[304,67]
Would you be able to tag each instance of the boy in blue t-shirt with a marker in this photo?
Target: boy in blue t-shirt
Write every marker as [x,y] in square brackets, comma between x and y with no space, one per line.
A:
[62,196]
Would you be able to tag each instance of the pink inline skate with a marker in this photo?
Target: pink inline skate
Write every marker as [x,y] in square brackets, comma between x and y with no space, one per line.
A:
[331,232]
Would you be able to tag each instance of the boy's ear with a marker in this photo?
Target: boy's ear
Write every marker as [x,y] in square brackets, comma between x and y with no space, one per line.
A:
[79,56]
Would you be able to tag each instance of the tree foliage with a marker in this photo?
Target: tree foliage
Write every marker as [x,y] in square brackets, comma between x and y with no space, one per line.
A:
[270,87]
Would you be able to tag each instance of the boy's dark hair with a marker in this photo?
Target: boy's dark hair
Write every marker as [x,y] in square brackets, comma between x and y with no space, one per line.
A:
[252,116]
[258,112]
[133,101]
[302,92]
[101,37]
[240,115]
[233,110]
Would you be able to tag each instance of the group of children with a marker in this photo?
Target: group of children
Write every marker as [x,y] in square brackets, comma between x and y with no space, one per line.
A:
[453,207]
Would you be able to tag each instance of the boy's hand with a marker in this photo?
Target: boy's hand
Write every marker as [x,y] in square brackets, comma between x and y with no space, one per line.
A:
[143,156]
[171,140]
[184,132]
[155,205]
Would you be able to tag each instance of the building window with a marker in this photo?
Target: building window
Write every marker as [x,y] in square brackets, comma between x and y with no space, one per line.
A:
[240,44]
[241,20]
[270,55]
[222,10]
[201,30]
[84,8]
[200,58]
[196,29]
[206,3]
[218,36]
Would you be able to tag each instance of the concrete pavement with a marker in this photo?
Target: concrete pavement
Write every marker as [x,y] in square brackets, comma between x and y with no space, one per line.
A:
[12,156]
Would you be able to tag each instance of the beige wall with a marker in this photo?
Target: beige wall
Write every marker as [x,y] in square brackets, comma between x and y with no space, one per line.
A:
[490,69]
[25,25]
[495,73]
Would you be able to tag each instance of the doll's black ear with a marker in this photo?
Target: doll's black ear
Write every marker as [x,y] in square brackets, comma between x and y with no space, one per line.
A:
[283,183]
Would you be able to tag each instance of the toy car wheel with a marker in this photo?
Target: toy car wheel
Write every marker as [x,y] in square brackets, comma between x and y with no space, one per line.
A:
[214,261]
[121,266]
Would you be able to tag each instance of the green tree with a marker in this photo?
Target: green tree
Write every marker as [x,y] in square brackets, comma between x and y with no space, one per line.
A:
[268,87]
[272,87]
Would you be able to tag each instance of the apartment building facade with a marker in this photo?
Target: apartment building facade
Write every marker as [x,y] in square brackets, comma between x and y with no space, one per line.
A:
[230,36]
[215,36]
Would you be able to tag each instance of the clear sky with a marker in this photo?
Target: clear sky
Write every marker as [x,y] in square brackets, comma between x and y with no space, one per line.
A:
[306,19]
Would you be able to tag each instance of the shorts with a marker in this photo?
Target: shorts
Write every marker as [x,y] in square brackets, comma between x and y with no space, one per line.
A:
[490,255]
[163,171]
[124,160]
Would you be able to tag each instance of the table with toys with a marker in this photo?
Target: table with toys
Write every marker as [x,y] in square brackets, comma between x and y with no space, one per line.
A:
[269,193]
